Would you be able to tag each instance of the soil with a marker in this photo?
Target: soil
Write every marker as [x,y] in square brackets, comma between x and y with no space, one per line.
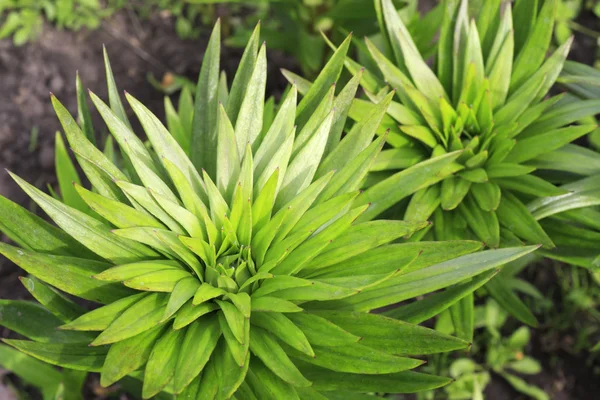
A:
[135,48]
[585,47]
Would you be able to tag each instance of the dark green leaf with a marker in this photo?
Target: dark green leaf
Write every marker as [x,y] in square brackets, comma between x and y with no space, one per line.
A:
[74,356]
[200,340]
[390,335]
[69,274]
[37,323]
[400,382]
[128,355]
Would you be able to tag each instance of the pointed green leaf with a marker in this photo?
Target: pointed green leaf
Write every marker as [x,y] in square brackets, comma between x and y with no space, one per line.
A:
[483,223]
[130,145]
[321,332]
[431,278]
[69,274]
[67,176]
[362,237]
[182,292]
[561,115]
[328,76]
[140,317]
[57,303]
[228,159]
[128,355]
[157,281]
[101,318]
[74,356]
[392,336]
[97,167]
[165,145]
[265,347]
[83,112]
[530,184]
[277,134]
[235,319]
[273,304]
[391,190]
[284,329]
[264,384]
[206,292]
[243,75]
[239,351]
[222,376]
[117,213]
[453,192]
[32,232]
[514,216]
[509,301]
[204,136]
[301,170]
[424,78]
[352,174]
[200,340]
[532,147]
[160,369]
[463,317]
[37,323]
[531,56]
[341,105]
[189,313]
[113,92]
[302,255]
[127,271]
[421,310]
[359,359]
[249,122]
[487,195]
[401,382]
[582,193]
[87,230]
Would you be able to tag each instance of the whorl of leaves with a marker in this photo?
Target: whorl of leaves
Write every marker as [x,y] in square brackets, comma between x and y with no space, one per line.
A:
[514,174]
[487,102]
[226,251]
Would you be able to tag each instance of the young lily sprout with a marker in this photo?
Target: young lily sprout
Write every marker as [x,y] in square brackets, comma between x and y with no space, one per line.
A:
[486,106]
[230,253]
[477,143]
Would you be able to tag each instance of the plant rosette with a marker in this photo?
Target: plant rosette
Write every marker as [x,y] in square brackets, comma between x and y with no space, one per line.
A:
[486,105]
[228,254]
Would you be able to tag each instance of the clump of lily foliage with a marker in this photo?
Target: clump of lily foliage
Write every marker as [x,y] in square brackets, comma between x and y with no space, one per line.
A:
[485,108]
[230,254]
[486,105]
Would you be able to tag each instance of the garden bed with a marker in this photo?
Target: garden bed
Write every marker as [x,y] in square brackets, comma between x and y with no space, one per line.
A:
[136,48]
